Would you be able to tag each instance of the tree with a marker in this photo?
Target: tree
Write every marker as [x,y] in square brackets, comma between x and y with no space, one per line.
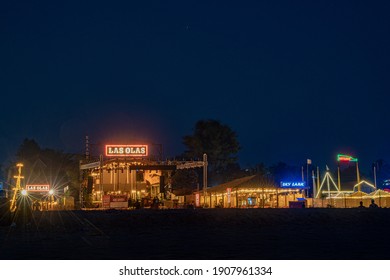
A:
[48,166]
[216,140]
[184,181]
[29,150]
[259,169]
[282,171]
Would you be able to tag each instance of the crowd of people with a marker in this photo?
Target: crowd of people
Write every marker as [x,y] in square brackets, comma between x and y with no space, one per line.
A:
[372,205]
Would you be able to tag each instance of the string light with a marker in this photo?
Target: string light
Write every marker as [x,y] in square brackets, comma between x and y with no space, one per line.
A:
[365,182]
[327,176]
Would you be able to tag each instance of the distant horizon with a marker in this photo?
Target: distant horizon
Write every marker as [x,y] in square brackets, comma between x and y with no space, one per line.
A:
[364,168]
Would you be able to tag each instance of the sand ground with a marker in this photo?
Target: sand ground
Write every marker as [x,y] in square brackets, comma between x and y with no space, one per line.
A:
[276,234]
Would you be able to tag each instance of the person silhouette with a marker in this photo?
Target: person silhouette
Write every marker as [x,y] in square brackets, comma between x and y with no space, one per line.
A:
[361,205]
[373,204]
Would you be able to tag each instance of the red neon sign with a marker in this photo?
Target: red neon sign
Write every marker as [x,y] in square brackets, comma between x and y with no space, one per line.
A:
[346,158]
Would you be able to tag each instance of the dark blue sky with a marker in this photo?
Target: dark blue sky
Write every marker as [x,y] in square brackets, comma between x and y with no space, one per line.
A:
[294,80]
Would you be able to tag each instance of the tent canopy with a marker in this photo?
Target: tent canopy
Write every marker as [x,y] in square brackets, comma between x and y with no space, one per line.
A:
[358,194]
[378,193]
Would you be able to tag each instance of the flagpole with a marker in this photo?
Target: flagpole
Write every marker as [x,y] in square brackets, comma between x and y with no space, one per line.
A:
[314,186]
[338,177]
[308,161]
[358,175]
[327,181]
[318,176]
[307,178]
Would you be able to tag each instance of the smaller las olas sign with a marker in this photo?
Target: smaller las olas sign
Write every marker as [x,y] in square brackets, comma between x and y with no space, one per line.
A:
[38,188]
[292,185]
[126,150]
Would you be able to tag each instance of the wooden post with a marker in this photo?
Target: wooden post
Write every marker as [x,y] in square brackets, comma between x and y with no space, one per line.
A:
[204,178]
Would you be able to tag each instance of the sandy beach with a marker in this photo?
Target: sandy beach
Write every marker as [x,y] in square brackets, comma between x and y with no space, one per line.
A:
[301,234]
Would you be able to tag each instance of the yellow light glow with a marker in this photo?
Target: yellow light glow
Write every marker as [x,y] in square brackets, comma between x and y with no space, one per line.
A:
[24,192]
[365,182]
[327,177]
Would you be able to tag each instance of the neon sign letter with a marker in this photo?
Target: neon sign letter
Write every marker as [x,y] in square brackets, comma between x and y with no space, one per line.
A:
[346,158]
[127,150]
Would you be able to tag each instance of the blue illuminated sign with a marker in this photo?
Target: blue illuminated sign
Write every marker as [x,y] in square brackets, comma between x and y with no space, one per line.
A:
[293,185]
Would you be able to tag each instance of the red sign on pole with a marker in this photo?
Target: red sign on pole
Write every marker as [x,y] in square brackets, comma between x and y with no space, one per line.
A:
[118,201]
[106,201]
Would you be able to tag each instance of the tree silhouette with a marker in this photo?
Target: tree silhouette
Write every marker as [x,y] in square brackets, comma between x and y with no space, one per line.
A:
[184,181]
[218,141]
[48,166]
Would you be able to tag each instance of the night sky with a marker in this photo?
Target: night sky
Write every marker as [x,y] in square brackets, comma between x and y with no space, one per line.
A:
[295,80]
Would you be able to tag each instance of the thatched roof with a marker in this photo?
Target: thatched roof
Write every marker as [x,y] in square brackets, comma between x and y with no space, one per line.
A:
[248,182]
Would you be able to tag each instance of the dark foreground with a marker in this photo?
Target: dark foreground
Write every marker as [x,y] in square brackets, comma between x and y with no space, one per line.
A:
[277,234]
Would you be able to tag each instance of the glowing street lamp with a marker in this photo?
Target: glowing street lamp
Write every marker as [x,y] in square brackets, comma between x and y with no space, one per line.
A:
[51,193]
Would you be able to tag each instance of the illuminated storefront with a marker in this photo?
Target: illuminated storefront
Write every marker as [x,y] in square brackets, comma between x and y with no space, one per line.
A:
[41,197]
[252,192]
[130,173]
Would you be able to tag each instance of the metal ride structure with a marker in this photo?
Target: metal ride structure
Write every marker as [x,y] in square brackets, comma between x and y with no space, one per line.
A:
[17,189]
[328,179]
[364,182]
[347,158]
[330,183]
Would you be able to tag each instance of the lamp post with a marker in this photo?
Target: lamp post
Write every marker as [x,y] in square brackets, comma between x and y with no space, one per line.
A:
[204,178]
[358,175]
[338,177]
[51,193]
